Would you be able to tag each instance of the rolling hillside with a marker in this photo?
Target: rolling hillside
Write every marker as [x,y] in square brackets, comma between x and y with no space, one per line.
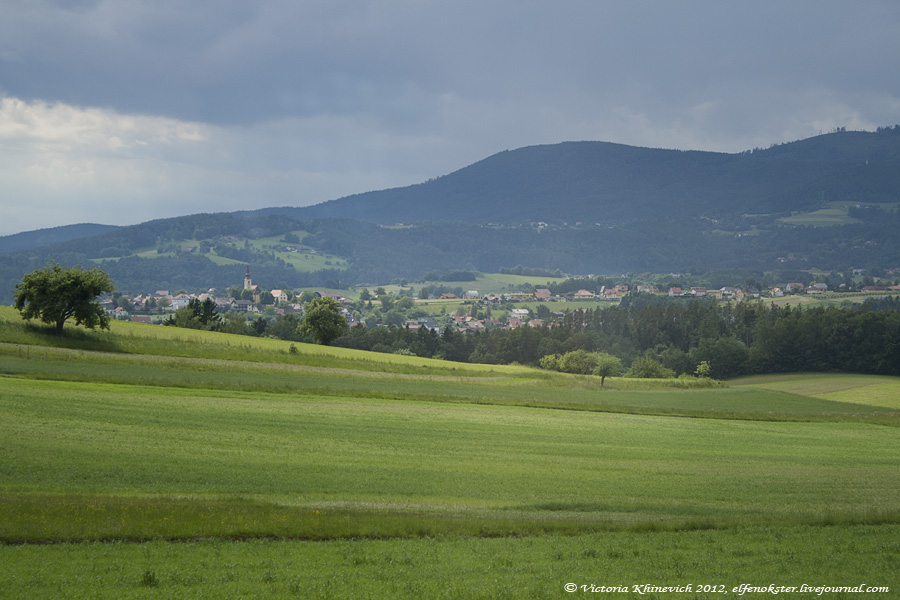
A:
[612,183]
[827,203]
[161,462]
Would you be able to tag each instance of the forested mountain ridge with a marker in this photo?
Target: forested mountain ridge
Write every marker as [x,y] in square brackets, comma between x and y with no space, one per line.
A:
[578,207]
[54,235]
[601,182]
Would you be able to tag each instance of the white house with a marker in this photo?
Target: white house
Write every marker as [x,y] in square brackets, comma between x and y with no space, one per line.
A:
[180,301]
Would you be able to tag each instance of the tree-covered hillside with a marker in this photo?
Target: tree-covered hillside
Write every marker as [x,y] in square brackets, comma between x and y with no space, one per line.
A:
[599,182]
[579,207]
[212,251]
[54,235]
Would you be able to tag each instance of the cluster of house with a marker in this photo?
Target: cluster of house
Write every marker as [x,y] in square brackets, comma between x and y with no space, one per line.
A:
[539,294]
[726,293]
[164,301]
[519,317]
[285,303]
[161,300]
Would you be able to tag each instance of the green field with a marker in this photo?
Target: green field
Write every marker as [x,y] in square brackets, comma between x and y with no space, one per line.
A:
[834,213]
[455,567]
[304,259]
[245,469]
[828,299]
[485,283]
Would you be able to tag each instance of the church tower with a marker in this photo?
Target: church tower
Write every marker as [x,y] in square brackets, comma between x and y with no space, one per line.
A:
[248,283]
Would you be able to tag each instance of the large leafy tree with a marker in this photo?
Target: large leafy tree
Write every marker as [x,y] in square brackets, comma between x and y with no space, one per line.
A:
[55,294]
[323,320]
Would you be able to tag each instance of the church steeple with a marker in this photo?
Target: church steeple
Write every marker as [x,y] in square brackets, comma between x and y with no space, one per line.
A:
[248,283]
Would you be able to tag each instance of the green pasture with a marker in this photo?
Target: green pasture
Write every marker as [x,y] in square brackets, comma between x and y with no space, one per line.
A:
[246,468]
[833,213]
[448,464]
[826,299]
[439,307]
[306,259]
[151,252]
[561,305]
[864,390]
[500,282]
[138,339]
[464,568]
[485,283]
[408,378]
[824,217]
[222,261]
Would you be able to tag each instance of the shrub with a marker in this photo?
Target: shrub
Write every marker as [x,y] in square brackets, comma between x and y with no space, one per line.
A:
[550,362]
[644,367]
[579,362]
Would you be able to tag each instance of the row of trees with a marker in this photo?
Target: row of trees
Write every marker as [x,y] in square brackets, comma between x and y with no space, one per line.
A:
[678,336]
[583,362]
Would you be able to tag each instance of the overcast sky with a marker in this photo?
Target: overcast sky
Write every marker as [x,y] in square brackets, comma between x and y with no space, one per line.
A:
[122,111]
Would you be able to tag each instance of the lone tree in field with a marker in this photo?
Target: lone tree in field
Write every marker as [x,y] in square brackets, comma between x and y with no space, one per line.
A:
[607,366]
[55,294]
[323,320]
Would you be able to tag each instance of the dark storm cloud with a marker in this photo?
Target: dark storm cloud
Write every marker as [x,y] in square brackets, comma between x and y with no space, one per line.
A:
[223,62]
[240,62]
[235,103]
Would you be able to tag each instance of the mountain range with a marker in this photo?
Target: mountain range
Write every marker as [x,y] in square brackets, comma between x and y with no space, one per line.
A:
[613,183]
[828,202]
[54,235]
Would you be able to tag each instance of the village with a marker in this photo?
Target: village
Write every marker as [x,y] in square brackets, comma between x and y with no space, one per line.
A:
[467,312]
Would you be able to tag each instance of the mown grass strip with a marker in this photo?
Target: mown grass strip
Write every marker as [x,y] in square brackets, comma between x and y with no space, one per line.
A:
[75,518]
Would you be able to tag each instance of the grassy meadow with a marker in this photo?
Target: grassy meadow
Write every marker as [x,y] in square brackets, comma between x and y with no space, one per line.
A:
[485,283]
[158,462]
[833,213]
[303,258]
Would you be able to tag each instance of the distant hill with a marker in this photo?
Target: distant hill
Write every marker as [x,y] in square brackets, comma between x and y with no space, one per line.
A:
[578,207]
[612,183]
[45,237]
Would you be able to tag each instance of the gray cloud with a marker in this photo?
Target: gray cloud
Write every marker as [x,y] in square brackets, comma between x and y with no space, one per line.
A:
[296,103]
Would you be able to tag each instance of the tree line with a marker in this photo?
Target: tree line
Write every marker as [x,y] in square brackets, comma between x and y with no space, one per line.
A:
[676,336]
[656,336]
